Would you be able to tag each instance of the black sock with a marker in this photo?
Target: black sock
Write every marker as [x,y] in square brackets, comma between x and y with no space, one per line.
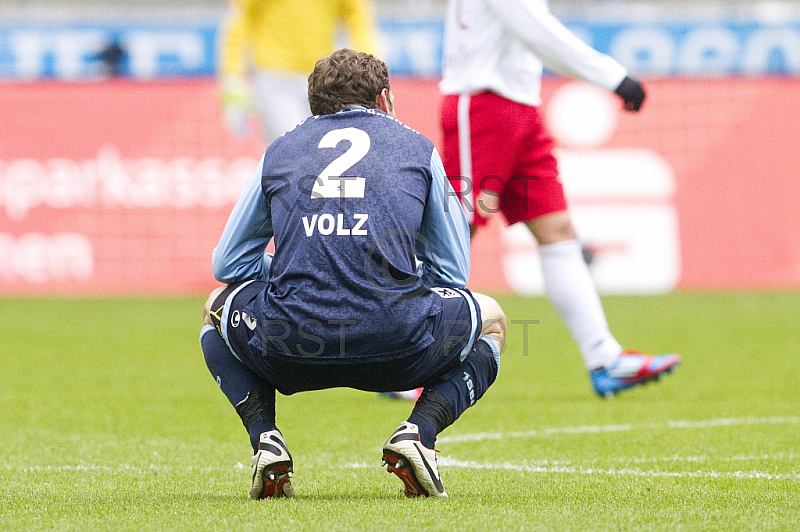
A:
[431,414]
[257,412]
[251,396]
[442,403]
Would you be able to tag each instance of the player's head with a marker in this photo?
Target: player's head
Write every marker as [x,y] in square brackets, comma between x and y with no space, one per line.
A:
[347,78]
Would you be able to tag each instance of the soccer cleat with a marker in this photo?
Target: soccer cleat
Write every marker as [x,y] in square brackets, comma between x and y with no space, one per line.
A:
[408,395]
[631,369]
[412,462]
[272,468]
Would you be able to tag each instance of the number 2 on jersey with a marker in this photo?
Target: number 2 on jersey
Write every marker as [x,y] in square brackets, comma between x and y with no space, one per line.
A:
[330,183]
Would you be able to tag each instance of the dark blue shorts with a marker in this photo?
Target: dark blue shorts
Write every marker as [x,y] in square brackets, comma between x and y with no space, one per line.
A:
[454,329]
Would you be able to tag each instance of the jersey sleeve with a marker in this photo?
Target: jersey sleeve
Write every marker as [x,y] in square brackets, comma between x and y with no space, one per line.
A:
[232,41]
[240,254]
[443,247]
[559,49]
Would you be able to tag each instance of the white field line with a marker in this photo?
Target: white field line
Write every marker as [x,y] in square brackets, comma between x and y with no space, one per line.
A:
[548,464]
[602,429]
[560,467]
[704,458]
[545,466]
[448,463]
[120,467]
[621,472]
[542,466]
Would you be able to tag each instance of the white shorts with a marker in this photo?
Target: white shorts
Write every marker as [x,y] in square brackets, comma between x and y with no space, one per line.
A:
[282,100]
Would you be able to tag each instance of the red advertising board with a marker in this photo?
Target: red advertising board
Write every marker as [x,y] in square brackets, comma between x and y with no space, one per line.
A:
[124,187]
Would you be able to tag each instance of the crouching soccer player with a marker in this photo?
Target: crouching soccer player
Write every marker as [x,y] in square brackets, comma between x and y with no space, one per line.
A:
[366,286]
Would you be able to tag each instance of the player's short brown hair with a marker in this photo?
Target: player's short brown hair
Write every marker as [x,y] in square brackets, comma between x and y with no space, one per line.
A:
[344,79]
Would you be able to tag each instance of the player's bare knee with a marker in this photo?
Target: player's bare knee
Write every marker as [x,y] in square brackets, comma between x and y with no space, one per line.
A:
[210,301]
[552,228]
[494,319]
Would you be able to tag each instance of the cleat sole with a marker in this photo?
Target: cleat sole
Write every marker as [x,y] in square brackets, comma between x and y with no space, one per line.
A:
[406,474]
[276,481]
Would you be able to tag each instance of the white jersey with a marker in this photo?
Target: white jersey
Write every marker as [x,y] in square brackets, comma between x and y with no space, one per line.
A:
[501,46]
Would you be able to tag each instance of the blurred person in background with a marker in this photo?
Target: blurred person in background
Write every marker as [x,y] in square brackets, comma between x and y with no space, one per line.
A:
[499,157]
[111,58]
[268,48]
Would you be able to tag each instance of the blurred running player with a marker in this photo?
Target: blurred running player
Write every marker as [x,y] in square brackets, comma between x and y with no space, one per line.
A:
[354,200]
[500,157]
[269,47]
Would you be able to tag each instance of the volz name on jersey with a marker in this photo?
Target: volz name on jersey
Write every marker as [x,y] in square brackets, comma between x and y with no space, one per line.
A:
[326,224]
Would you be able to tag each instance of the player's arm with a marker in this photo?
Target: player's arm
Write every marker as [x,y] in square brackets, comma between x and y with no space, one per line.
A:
[443,245]
[563,52]
[232,68]
[240,254]
[558,48]
[360,22]
[231,47]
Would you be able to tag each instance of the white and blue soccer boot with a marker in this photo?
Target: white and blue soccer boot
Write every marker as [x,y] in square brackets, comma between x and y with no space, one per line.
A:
[631,369]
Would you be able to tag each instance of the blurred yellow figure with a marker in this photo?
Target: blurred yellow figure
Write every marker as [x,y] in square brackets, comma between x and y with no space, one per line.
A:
[269,47]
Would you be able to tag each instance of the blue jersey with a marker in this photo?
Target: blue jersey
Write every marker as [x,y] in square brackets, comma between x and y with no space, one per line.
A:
[364,222]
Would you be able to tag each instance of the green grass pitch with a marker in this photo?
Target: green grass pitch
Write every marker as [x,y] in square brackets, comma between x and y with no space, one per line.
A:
[109,420]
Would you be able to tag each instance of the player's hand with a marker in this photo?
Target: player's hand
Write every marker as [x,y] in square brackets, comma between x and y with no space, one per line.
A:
[487,203]
[237,104]
[632,93]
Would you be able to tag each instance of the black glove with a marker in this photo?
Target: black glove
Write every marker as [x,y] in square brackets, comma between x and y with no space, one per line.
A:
[632,93]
